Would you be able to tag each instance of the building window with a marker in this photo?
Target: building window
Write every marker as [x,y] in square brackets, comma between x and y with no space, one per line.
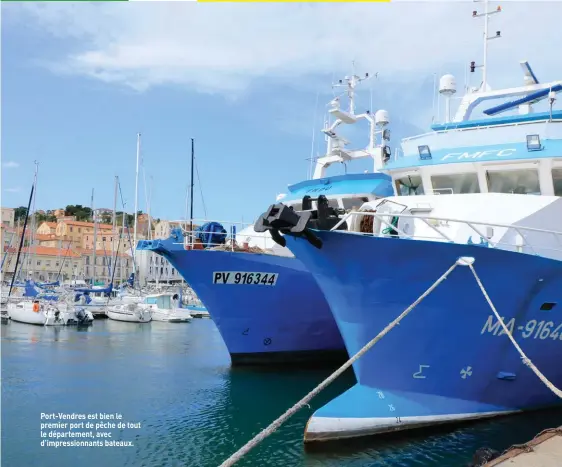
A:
[71,229]
[455,184]
[409,186]
[524,182]
[79,230]
[38,262]
[103,239]
[557,180]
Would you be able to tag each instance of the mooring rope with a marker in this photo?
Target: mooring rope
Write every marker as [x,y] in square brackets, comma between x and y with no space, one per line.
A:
[306,399]
[526,360]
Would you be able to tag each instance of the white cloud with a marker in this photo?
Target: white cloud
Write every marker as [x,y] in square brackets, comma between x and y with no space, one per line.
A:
[223,47]
[10,165]
[12,190]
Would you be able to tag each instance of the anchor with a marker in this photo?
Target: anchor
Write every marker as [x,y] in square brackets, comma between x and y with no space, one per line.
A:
[282,219]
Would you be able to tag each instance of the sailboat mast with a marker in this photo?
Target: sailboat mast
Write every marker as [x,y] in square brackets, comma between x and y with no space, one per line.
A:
[148,209]
[191,192]
[22,234]
[32,247]
[114,227]
[121,259]
[136,191]
[95,238]
[114,219]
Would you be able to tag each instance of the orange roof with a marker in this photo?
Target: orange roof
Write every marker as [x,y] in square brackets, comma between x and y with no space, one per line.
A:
[52,225]
[50,251]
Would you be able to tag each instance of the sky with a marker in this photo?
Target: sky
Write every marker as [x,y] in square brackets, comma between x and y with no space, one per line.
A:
[249,82]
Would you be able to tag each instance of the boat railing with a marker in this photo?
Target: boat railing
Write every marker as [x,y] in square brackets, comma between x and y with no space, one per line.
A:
[237,236]
[523,239]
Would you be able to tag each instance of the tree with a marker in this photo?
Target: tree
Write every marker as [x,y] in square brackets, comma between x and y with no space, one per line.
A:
[82,213]
[40,217]
[19,213]
[106,218]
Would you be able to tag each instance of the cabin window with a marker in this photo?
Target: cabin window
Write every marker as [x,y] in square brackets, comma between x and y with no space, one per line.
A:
[557,180]
[350,203]
[524,182]
[409,186]
[455,184]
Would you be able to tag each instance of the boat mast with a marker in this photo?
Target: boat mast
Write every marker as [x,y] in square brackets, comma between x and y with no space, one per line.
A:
[121,259]
[114,227]
[31,247]
[486,14]
[23,232]
[191,192]
[136,192]
[148,209]
[95,238]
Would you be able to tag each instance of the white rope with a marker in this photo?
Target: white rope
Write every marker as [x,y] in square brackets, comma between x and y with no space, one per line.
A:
[306,399]
[524,357]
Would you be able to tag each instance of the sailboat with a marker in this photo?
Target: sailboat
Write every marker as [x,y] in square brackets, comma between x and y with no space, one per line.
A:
[135,311]
[165,307]
[37,307]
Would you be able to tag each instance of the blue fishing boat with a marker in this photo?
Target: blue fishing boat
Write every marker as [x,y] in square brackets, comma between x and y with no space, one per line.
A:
[265,303]
[479,193]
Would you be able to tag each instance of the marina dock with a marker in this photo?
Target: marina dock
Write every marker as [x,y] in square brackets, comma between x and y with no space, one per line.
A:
[544,450]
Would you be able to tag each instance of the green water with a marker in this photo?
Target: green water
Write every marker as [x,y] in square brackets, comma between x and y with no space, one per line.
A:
[194,409]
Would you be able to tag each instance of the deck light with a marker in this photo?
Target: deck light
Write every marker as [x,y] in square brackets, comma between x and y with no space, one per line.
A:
[533,143]
[424,152]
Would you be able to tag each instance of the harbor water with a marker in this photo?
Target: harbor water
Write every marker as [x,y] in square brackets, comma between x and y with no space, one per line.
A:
[175,380]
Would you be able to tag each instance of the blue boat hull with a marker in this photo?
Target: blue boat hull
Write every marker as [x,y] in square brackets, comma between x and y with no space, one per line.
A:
[448,360]
[285,323]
